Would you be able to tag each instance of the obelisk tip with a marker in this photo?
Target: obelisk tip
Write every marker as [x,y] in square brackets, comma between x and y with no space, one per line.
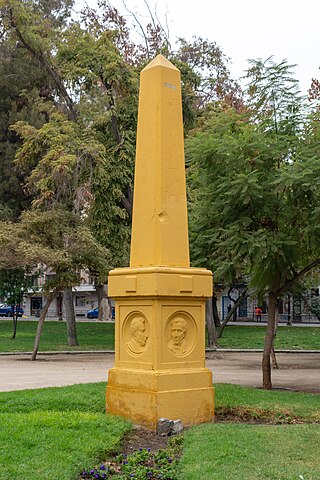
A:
[160,61]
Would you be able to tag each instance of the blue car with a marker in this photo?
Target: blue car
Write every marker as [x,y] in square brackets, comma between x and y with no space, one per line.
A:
[6,311]
[94,313]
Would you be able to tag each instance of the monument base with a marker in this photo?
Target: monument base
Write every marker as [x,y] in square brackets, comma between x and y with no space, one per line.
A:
[145,396]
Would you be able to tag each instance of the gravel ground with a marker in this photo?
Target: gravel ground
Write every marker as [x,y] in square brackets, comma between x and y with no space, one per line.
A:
[298,371]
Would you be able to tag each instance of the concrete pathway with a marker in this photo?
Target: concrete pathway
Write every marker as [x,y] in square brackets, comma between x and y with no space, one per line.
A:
[298,371]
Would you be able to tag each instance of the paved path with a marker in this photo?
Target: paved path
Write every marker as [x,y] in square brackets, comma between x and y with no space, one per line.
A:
[299,371]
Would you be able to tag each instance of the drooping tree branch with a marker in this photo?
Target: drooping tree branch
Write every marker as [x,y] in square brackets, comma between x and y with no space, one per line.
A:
[45,63]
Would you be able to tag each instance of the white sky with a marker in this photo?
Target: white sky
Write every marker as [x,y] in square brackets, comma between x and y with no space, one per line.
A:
[243,29]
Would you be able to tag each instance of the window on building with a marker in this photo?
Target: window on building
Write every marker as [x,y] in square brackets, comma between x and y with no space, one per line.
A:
[80,301]
[50,277]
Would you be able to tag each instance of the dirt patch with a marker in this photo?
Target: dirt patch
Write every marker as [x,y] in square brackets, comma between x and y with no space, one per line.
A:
[140,437]
[259,416]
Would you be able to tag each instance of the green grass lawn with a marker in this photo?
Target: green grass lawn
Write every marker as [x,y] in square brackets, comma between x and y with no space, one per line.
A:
[91,336]
[251,452]
[100,336]
[256,452]
[292,338]
[278,406]
[55,433]
[52,433]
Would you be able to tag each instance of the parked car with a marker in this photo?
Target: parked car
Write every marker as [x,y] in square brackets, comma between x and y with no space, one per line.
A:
[6,311]
[94,313]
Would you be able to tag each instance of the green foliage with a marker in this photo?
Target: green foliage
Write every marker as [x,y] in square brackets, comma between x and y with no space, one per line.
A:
[75,133]
[254,185]
[18,102]
[234,214]
[315,307]
[61,156]
[274,97]
[13,283]
[58,239]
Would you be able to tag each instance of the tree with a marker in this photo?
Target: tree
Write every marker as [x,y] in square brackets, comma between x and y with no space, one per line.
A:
[255,201]
[13,284]
[58,240]
[18,95]
[81,156]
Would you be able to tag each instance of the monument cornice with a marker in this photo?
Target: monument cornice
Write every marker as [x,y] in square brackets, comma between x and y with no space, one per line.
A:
[160,281]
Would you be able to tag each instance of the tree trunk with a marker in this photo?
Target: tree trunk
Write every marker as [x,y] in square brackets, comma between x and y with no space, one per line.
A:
[230,314]
[15,323]
[103,304]
[216,317]
[211,328]
[42,318]
[289,322]
[273,353]
[266,364]
[60,301]
[234,310]
[70,317]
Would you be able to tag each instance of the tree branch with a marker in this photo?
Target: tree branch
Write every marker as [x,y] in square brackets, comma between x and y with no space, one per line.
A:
[236,304]
[141,28]
[127,202]
[49,68]
[297,276]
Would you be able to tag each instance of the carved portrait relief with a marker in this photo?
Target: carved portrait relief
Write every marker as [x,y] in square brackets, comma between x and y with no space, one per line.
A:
[181,333]
[137,334]
[177,343]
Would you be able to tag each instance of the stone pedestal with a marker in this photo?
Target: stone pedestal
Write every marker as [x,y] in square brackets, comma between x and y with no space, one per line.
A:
[160,346]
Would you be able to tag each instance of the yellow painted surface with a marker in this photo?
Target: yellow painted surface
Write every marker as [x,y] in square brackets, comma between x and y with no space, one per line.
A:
[160,301]
[144,407]
[159,227]
[162,281]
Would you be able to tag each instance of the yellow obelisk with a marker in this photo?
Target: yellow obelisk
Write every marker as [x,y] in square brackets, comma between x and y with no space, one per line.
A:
[160,301]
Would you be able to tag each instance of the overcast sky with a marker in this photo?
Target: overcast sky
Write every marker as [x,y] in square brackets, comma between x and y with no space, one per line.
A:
[286,29]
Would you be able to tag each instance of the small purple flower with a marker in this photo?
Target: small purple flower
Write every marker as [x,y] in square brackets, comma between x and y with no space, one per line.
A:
[140,449]
[97,475]
[149,450]
[84,473]
[102,467]
[91,472]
